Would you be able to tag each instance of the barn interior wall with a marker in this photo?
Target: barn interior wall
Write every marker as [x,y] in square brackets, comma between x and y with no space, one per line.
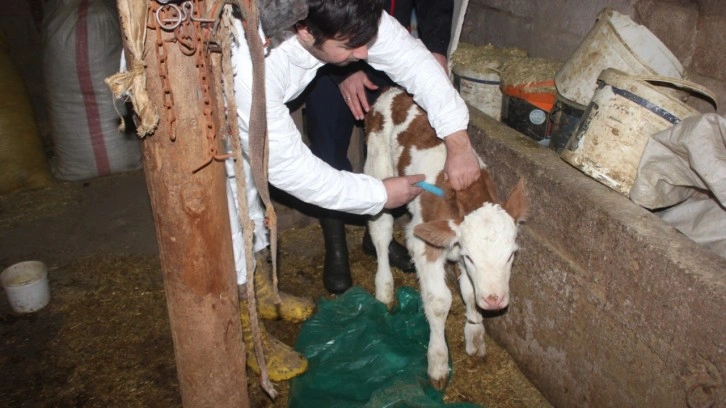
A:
[692,29]
[610,306]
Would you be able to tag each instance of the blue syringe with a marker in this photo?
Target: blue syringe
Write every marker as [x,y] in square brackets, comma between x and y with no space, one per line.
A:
[431,188]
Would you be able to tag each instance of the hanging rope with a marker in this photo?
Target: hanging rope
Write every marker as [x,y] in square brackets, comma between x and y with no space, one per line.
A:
[132,83]
[225,34]
[259,146]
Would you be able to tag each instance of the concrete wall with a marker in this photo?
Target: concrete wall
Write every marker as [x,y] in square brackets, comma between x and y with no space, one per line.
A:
[610,306]
[692,29]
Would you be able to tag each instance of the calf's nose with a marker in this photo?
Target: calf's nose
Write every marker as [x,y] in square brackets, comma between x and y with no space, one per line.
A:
[493,302]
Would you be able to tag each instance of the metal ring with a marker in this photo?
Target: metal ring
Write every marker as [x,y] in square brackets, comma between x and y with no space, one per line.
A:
[176,22]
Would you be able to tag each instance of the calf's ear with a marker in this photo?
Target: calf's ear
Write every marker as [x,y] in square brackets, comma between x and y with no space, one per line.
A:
[517,204]
[436,233]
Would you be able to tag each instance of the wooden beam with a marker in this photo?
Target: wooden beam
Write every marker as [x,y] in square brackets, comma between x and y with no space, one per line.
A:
[193,232]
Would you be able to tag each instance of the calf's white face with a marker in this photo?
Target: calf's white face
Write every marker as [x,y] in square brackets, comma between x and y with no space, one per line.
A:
[485,242]
[487,238]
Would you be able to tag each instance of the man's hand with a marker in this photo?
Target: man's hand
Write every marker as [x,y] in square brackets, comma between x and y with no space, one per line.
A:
[441,59]
[462,164]
[401,190]
[353,89]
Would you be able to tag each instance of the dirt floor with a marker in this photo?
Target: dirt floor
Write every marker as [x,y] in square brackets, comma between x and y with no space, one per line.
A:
[104,339]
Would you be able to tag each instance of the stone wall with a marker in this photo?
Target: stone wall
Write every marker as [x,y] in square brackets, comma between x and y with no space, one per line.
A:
[610,306]
[692,29]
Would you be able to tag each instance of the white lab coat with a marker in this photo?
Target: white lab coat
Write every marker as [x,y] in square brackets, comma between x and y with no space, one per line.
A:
[289,68]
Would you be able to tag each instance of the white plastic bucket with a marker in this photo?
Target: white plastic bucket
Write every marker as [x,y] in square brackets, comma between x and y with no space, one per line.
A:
[614,129]
[565,117]
[26,286]
[615,41]
[480,89]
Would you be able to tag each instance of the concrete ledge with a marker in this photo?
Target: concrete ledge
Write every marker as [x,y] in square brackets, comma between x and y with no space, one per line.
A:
[611,307]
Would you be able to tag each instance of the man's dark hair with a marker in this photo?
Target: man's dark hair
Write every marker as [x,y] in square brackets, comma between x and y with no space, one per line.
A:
[353,21]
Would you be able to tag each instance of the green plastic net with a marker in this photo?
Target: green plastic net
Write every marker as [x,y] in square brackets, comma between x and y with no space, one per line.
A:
[360,355]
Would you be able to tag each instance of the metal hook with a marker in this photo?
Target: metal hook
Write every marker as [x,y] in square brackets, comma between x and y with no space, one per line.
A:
[189,8]
[175,22]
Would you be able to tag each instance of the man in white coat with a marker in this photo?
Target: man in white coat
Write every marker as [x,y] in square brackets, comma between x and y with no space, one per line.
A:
[337,32]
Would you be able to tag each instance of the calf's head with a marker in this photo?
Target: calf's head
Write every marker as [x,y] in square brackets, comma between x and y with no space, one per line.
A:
[485,239]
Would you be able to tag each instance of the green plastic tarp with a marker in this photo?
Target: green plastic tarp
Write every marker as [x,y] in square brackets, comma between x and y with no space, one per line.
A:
[362,355]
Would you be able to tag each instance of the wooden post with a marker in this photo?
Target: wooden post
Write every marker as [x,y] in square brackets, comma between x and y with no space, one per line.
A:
[193,232]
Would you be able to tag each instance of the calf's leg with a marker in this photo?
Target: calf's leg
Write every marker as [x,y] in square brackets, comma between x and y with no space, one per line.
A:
[474,327]
[381,230]
[437,303]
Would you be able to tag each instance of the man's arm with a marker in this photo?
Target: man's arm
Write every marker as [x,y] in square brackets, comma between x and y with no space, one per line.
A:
[294,169]
[411,65]
[292,166]
[462,165]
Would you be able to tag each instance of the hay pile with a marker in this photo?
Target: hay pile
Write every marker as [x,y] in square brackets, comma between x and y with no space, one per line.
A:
[482,59]
[526,71]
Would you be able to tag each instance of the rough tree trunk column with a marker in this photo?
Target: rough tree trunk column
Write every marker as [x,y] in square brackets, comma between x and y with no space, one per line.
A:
[192,229]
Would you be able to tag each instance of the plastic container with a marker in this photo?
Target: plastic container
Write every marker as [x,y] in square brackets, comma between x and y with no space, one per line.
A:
[615,41]
[480,90]
[565,117]
[624,112]
[26,286]
[476,72]
[529,95]
[526,118]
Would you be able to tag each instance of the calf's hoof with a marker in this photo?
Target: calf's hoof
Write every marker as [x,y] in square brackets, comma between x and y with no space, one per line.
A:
[438,369]
[474,335]
[438,383]
[384,294]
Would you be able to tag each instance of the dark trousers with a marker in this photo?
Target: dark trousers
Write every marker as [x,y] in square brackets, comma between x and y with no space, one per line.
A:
[329,121]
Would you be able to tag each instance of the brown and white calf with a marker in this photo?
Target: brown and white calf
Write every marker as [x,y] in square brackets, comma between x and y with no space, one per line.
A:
[470,227]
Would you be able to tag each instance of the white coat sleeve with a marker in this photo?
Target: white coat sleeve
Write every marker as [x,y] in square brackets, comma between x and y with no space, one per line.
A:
[410,64]
[292,166]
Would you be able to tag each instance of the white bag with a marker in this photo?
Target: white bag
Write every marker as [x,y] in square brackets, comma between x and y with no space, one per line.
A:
[682,175]
[81,47]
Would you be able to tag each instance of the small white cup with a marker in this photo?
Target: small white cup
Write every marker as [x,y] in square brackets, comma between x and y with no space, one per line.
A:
[26,286]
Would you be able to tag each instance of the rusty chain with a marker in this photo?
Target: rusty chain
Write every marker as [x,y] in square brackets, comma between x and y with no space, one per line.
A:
[161,57]
[194,38]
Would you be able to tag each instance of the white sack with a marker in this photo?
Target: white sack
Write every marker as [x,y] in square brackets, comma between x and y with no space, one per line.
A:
[682,176]
[81,47]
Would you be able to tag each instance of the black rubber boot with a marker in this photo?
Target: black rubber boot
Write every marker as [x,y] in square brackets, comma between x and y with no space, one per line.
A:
[336,270]
[397,254]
